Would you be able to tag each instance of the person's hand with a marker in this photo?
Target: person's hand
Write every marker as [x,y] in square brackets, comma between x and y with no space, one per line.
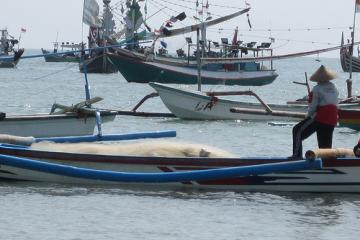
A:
[357,152]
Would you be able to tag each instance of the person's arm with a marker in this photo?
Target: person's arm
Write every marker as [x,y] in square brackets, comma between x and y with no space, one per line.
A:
[314,103]
[357,149]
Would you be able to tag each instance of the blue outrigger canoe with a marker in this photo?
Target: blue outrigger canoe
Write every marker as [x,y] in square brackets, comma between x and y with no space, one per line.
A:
[238,174]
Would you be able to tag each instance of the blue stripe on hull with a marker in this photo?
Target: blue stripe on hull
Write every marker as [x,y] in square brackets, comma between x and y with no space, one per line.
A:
[197,175]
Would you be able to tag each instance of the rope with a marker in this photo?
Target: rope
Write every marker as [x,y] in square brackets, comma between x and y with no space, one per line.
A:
[53,73]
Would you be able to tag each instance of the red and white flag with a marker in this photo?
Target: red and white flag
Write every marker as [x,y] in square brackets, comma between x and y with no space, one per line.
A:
[23,30]
[357,5]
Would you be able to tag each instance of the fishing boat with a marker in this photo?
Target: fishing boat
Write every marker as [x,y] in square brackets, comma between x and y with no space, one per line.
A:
[350,118]
[349,62]
[143,65]
[190,104]
[134,70]
[9,57]
[65,57]
[74,120]
[332,174]
[346,56]
[97,61]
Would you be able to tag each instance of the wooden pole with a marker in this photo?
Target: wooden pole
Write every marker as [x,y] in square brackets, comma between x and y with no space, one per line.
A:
[349,81]
[198,58]
[307,83]
[297,115]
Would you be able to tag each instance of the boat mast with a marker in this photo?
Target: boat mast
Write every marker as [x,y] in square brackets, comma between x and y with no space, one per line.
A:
[198,60]
[203,29]
[108,24]
[107,30]
[349,81]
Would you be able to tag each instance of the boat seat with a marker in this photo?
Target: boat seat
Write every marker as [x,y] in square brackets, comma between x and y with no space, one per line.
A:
[2,116]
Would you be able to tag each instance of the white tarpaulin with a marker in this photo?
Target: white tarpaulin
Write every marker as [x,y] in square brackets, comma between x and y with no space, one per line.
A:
[91,13]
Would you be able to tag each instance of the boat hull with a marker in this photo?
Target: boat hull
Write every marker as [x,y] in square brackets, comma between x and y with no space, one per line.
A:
[45,125]
[350,118]
[60,58]
[98,64]
[345,57]
[135,70]
[11,63]
[337,175]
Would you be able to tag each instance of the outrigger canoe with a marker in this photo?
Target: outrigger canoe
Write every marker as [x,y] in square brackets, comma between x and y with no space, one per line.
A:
[333,174]
[196,105]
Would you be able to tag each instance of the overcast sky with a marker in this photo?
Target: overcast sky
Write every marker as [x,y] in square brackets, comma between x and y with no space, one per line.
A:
[289,21]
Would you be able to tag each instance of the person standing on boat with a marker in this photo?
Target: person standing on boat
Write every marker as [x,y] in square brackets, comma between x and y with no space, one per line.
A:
[322,114]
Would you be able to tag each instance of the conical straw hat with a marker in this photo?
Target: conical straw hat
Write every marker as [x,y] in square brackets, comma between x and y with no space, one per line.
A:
[322,75]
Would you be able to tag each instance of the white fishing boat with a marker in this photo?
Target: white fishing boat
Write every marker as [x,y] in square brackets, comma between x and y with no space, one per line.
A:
[52,125]
[189,104]
[76,120]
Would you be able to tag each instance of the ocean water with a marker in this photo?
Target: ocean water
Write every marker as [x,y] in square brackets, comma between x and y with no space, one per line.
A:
[48,211]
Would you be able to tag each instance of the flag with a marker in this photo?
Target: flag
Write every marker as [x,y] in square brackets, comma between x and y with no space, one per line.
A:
[91,13]
[357,5]
[163,44]
[181,16]
[23,30]
[248,18]
[168,24]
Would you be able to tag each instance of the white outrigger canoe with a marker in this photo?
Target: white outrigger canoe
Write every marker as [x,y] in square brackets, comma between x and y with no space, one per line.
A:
[75,120]
[48,125]
[196,105]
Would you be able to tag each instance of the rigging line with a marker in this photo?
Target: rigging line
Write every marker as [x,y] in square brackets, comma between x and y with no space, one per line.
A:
[192,9]
[287,29]
[162,9]
[55,72]
[118,17]
[162,5]
[155,13]
[118,3]
[212,4]
[283,45]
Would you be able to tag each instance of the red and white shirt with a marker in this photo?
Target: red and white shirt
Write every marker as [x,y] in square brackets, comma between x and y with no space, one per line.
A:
[323,106]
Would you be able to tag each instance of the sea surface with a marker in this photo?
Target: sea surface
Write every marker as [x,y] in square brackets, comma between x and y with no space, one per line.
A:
[49,211]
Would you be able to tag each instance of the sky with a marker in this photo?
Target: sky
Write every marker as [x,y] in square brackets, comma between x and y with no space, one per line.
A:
[295,25]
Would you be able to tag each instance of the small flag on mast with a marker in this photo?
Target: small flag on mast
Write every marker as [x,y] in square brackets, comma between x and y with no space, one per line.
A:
[23,30]
[357,5]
